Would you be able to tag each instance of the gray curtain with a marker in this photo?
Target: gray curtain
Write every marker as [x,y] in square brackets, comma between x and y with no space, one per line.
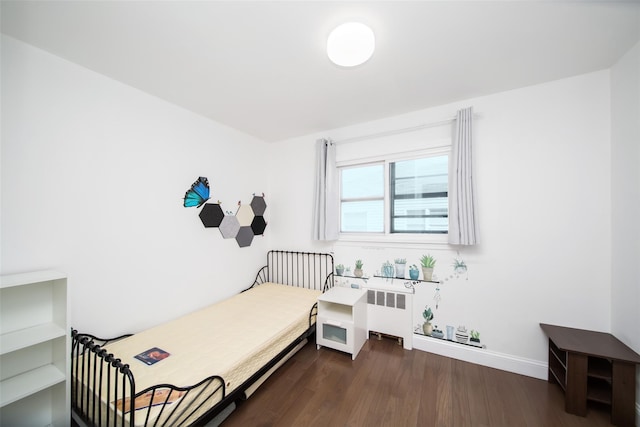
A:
[325,215]
[463,225]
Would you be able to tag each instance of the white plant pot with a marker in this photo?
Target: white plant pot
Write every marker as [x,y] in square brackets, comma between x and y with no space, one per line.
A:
[427,328]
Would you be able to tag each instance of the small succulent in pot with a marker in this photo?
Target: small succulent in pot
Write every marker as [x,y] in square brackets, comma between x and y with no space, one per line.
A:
[400,264]
[340,269]
[427,328]
[387,269]
[428,262]
[427,314]
[414,273]
[462,336]
[437,333]
[358,270]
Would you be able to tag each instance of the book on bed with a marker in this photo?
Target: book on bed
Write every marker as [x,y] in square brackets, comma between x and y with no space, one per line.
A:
[153,355]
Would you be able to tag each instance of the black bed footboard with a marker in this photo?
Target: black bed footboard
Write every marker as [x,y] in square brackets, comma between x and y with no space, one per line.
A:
[102,386]
[303,269]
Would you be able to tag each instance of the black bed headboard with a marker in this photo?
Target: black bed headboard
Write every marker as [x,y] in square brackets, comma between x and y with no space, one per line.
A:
[303,269]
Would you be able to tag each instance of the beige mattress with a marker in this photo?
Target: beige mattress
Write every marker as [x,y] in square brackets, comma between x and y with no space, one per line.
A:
[232,339]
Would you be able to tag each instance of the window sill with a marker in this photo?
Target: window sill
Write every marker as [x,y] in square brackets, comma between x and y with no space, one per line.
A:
[393,239]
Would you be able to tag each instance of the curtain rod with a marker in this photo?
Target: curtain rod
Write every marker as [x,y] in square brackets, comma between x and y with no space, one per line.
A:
[398,131]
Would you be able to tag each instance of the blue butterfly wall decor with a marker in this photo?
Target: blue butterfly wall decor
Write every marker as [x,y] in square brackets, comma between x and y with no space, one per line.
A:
[198,193]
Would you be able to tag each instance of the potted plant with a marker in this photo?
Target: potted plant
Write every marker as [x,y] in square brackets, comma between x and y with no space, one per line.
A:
[340,269]
[358,270]
[414,273]
[437,333]
[400,265]
[475,338]
[461,335]
[387,269]
[428,316]
[459,267]
[428,262]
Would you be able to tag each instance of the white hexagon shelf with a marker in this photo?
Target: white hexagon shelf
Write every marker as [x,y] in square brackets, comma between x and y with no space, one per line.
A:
[245,215]
[229,227]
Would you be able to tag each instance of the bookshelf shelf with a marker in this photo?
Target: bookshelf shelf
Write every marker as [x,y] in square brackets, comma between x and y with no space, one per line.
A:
[34,349]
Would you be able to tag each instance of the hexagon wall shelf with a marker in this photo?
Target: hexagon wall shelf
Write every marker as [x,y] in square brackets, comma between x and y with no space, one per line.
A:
[243,226]
[229,227]
[245,236]
[258,225]
[258,205]
[245,215]
[211,215]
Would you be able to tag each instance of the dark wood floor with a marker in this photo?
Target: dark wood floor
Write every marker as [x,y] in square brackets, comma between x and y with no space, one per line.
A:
[389,386]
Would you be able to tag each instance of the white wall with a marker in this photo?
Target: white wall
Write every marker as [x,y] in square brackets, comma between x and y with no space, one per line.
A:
[543,180]
[93,175]
[625,197]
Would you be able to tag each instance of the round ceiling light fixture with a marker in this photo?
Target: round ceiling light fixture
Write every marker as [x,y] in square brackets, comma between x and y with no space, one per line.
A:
[351,44]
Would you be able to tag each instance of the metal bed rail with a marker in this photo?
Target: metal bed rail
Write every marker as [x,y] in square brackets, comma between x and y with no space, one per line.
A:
[309,270]
[102,386]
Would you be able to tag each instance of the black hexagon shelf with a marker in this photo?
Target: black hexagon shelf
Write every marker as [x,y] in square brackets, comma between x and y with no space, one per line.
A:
[211,215]
[258,205]
[244,236]
[258,225]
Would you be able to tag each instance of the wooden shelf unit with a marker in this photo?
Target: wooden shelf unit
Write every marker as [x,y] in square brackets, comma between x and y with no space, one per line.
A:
[34,352]
[593,366]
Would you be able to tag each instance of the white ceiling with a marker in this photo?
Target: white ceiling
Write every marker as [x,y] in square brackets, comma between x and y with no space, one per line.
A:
[261,67]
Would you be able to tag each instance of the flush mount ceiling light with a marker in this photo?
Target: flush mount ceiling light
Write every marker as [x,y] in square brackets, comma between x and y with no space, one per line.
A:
[350,44]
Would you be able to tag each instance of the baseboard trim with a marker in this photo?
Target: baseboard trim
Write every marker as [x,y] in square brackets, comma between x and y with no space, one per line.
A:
[481,356]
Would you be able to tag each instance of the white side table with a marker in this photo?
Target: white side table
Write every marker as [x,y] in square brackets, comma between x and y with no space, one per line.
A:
[342,320]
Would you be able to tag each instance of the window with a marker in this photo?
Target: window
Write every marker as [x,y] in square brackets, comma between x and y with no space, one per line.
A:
[418,195]
[362,199]
[402,196]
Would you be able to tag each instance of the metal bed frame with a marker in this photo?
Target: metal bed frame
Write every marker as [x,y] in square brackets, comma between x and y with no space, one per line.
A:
[92,365]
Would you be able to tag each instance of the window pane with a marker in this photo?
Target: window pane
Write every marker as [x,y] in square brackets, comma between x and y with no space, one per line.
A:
[411,215]
[428,175]
[363,182]
[419,195]
[362,216]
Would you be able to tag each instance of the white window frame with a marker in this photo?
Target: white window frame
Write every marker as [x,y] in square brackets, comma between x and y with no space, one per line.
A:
[387,237]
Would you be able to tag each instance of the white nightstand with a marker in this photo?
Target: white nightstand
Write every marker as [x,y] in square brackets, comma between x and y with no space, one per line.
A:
[342,320]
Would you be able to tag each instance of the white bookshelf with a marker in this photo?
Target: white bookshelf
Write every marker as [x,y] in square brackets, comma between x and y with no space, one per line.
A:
[34,349]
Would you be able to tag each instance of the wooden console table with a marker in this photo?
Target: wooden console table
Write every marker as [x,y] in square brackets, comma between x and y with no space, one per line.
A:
[593,366]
